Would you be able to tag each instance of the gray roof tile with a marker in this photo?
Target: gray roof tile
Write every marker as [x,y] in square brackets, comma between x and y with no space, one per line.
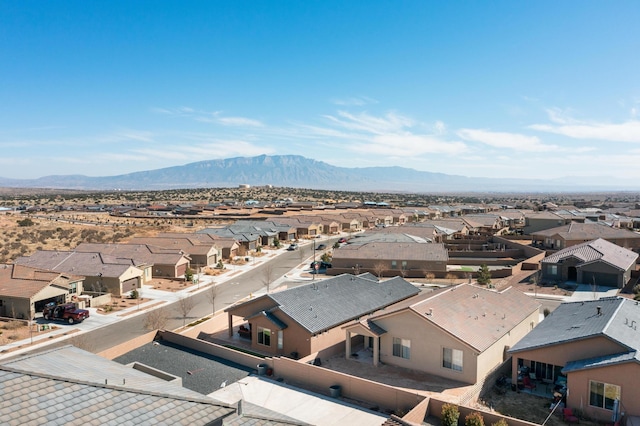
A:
[597,250]
[334,301]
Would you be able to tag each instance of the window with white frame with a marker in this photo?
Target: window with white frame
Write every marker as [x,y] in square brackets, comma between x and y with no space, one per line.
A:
[452,359]
[402,348]
[553,269]
[393,264]
[73,287]
[603,395]
[264,336]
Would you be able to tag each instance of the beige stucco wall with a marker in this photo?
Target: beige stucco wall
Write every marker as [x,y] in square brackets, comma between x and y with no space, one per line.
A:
[15,307]
[563,353]
[428,342]
[624,375]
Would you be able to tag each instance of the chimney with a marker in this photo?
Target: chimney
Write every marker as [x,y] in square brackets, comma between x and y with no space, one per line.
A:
[599,310]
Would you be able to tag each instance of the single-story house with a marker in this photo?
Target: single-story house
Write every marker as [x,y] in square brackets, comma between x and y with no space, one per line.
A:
[591,349]
[304,320]
[577,233]
[228,246]
[103,273]
[409,259]
[159,261]
[461,333]
[24,290]
[596,262]
[201,254]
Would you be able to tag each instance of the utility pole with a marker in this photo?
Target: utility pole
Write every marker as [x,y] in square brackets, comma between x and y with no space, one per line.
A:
[315,269]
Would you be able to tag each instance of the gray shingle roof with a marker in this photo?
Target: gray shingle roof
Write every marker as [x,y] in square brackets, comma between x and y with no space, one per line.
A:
[334,301]
[618,320]
[597,250]
[587,231]
[601,361]
[31,396]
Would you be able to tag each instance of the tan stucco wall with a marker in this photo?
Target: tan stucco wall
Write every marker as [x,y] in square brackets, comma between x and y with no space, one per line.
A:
[624,375]
[427,343]
[14,307]
[563,353]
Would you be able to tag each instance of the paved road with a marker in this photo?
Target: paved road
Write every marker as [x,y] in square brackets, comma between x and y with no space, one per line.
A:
[237,286]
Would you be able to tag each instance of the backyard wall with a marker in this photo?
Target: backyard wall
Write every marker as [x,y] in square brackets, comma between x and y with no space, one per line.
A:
[128,346]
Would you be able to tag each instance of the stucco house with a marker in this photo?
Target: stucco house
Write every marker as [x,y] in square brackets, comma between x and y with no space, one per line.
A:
[577,233]
[158,261]
[596,262]
[201,253]
[408,259]
[461,333]
[304,320]
[24,290]
[103,273]
[592,349]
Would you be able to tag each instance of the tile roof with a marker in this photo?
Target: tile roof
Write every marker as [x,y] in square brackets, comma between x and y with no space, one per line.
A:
[88,264]
[475,315]
[597,250]
[587,231]
[618,320]
[393,251]
[25,282]
[601,361]
[142,253]
[34,397]
[335,301]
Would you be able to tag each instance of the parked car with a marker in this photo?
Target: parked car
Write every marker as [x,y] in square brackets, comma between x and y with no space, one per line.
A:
[342,240]
[293,247]
[321,247]
[64,312]
[321,265]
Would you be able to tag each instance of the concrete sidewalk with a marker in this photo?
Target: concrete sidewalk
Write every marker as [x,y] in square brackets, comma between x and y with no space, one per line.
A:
[98,320]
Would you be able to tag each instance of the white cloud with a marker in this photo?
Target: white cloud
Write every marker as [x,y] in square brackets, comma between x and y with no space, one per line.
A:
[239,121]
[354,101]
[628,131]
[515,141]
[440,128]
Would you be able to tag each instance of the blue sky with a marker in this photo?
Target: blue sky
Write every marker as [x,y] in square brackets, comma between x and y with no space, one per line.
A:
[541,89]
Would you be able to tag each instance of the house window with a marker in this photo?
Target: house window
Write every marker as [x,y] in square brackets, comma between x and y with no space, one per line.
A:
[73,288]
[603,395]
[404,264]
[402,348]
[542,370]
[280,339]
[553,269]
[393,264]
[264,336]
[452,359]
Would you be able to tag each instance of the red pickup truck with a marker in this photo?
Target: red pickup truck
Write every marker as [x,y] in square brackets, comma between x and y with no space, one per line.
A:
[64,312]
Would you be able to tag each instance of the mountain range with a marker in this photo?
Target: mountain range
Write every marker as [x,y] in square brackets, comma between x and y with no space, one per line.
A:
[301,172]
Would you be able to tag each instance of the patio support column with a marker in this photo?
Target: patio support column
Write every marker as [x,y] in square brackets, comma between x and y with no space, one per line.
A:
[376,350]
[347,341]
[230,326]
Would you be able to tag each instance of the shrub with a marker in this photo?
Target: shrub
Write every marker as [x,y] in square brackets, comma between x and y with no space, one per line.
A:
[546,312]
[450,415]
[134,294]
[25,222]
[484,276]
[474,419]
[501,422]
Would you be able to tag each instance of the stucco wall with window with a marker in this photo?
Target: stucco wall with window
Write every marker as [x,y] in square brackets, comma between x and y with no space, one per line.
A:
[623,375]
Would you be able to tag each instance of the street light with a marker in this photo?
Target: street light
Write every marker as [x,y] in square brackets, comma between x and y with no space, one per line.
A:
[315,269]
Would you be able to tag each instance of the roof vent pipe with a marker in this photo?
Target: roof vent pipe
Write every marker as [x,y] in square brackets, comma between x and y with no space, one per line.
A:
[599,310]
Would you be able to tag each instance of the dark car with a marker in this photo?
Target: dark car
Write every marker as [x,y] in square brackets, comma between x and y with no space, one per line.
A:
[321,265]
[342,240]
[321,247]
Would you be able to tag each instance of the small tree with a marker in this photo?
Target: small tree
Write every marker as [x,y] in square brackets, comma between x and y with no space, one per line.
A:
[326,257]
[501,422]
[211,297]
[188,274]
[184,306]
[484,276]
[336,245]
[25,222]
[474,419]
[267,276]
[156,319]
[276,243]
[450,415]
[379,268]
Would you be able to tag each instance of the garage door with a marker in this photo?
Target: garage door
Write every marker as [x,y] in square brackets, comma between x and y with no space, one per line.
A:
[181,269]
[609,280]
[129,285]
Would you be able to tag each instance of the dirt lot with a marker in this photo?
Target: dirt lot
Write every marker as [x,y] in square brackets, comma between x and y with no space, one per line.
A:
[527,407]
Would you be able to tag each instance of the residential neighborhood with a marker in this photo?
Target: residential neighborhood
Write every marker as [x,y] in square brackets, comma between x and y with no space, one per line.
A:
[424,307]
